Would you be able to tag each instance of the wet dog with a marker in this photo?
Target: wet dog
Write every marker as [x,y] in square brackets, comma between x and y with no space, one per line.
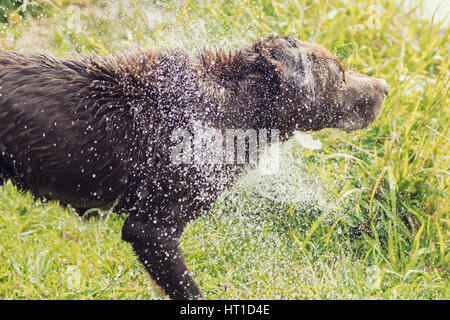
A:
[99,131]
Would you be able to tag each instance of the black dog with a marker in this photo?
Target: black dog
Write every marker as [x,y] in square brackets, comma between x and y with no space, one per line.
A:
[97,132]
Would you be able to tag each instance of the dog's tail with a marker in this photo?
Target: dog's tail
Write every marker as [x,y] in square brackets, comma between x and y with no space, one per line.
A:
[6,60]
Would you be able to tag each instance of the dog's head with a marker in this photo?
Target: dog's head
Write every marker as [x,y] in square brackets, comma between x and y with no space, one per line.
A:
[311,89]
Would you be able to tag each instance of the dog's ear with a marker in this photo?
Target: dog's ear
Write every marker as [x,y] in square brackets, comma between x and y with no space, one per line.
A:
[260,61]
[254,60]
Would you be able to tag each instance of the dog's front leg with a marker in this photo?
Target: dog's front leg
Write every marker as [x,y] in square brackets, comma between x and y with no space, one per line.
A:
[158,249]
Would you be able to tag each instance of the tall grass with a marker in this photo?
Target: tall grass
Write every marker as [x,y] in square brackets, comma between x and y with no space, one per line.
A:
[384,232]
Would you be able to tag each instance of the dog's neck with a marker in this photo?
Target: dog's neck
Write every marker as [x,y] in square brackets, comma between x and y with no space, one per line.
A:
[236,96]
[217,89]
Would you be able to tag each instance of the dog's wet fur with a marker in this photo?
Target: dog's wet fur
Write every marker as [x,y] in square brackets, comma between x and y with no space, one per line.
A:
[96,131]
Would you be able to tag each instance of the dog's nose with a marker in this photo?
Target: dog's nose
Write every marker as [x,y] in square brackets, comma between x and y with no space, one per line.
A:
[384,87]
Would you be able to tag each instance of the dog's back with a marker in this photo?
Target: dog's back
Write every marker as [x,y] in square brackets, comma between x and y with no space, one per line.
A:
[49,144]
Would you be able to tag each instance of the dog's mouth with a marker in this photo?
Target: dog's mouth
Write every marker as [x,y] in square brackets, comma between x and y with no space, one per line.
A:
[360,102]
[349,125]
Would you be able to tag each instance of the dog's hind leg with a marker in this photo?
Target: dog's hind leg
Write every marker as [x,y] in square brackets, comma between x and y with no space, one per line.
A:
[2,170]
[158,249]
[5,172]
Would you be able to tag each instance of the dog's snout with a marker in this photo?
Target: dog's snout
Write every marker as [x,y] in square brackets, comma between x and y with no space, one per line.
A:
[384,86]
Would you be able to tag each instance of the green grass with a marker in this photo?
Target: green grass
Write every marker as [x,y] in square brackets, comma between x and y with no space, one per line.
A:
[382,229]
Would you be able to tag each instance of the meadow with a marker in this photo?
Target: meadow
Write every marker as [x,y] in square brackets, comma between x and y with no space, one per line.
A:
[364,217]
